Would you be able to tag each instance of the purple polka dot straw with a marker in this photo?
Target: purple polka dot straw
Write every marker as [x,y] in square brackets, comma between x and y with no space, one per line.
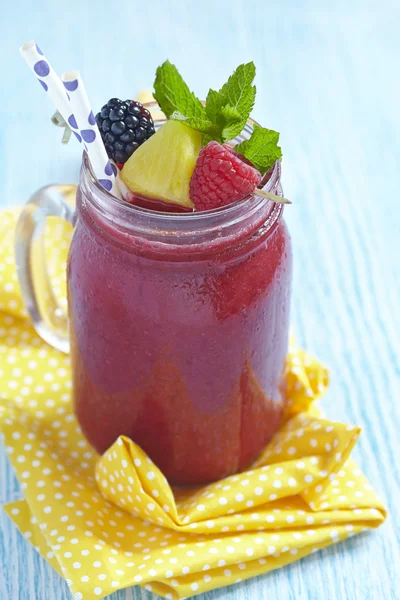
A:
[87,126]
[47,77]
[70,98]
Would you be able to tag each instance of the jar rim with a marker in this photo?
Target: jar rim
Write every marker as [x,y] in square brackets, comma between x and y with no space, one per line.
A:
[181,228]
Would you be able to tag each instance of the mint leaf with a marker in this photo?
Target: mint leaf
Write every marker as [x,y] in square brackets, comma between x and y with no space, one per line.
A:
[172,93]
[214,103]
[231,106]
[239,92]
[232,122]
[261,149]
[226,118]
[202,124]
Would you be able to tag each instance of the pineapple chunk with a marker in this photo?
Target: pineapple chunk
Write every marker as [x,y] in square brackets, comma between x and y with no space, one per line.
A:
[161,168]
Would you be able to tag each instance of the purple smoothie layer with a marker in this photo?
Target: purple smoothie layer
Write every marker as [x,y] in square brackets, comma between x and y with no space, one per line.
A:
[181,351]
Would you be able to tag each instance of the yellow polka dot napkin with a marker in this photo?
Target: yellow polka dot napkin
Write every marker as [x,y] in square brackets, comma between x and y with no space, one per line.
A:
[111,522]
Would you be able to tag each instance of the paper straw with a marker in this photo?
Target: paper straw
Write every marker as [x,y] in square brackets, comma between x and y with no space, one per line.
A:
[69,97]
[49,81]
[104,170]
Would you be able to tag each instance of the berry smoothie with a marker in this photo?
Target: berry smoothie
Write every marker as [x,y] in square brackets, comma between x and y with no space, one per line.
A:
[180,345]
[179,320]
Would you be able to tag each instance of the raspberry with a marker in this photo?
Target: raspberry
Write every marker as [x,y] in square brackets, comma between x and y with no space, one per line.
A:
[221,177]
[124,126]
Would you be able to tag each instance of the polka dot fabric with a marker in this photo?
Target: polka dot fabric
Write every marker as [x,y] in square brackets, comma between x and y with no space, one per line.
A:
[110,522]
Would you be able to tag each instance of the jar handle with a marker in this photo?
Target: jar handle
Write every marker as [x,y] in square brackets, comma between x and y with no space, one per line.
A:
[49,319]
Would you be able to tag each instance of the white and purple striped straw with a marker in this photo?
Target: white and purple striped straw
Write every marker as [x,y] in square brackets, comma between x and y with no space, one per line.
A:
[75,109]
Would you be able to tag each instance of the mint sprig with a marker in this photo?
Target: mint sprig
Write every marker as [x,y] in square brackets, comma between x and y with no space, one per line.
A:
[224,115]
[261,149]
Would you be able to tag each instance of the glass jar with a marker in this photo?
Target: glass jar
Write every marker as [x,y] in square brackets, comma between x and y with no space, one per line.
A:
[178,327]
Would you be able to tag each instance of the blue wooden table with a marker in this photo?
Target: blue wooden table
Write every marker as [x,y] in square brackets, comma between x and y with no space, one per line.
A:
[328,80]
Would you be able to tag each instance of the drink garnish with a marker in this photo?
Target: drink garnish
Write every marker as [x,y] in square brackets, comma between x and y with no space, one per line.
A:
[221,177]
[161,168]
[124,126]
[197,159]
[224,114]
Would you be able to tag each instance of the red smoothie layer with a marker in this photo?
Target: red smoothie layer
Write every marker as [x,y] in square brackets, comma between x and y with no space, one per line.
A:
[182,352]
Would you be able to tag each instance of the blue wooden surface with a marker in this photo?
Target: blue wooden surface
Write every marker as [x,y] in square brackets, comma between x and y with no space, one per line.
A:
[328,81]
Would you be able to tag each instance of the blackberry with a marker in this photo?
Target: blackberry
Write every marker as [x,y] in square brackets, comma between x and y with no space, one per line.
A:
[124,126]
